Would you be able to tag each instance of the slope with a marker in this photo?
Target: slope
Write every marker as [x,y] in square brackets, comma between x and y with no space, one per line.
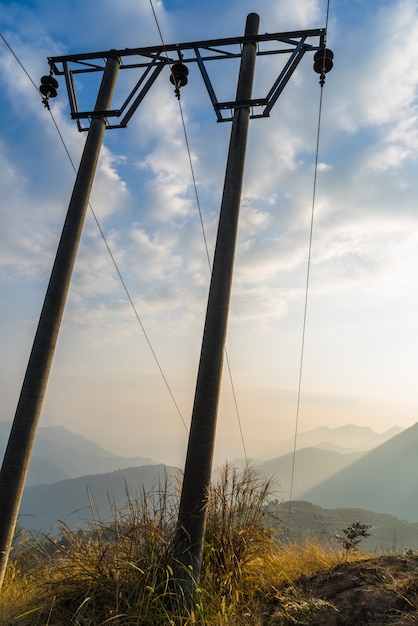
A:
[384,480]
[58,454]
[77,501]
[347,438]
[312,466]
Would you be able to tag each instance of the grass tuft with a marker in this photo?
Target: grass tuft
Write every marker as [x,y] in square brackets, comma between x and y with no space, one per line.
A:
[120,572]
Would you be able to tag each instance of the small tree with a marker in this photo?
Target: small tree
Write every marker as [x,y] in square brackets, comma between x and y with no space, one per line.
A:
[352,535]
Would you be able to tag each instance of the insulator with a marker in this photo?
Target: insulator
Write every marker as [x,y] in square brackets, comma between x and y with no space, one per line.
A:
[49,80]
[48,86]
[179,74]
[323,61]
[48,91]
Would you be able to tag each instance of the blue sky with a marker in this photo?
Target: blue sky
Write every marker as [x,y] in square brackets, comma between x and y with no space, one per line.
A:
[361,340]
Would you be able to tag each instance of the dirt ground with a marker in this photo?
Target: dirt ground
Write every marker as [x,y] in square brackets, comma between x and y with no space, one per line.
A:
[378,591]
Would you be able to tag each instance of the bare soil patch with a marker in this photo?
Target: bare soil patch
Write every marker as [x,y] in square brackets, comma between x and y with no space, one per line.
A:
[377,591]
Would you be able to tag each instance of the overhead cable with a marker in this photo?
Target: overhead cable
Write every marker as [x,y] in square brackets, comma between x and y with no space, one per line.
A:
[119,273]
[204,237]
[305,310]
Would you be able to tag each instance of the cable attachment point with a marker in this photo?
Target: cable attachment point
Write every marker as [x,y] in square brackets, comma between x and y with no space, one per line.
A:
[323,63]
[48,89]
[178,77]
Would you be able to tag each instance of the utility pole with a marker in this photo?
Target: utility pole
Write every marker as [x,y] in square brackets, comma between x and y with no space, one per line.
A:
[188,546]
[22,436]
[147,63]
[190,531]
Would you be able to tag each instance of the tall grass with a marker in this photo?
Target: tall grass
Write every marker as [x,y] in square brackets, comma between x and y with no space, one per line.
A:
[120,572]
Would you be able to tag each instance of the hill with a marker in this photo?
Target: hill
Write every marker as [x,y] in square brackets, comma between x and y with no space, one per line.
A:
[369,592]
[312,466]
[300,520]
[58,454]
[71,500]
[383,480]
[345,439]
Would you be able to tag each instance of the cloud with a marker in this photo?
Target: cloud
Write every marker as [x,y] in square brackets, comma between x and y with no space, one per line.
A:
[376,77]
[363,260]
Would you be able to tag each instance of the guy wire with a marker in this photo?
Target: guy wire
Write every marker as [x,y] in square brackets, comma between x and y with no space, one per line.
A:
[204,237]
[106,244]
[307,288]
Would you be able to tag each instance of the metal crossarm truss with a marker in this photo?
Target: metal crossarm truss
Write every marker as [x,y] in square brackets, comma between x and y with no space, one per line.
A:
[150,61]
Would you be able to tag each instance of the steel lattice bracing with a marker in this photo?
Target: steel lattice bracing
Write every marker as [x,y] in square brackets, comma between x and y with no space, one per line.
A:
[150,61]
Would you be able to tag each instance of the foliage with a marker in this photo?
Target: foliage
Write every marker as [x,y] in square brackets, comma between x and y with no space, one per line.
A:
[237,538]
[120,572]
[352,535]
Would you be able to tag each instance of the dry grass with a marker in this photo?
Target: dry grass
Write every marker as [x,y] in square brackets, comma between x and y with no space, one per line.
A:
[307,557]
[120,573]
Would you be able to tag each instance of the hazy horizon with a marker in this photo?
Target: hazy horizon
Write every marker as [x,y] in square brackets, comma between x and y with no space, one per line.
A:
[276,450]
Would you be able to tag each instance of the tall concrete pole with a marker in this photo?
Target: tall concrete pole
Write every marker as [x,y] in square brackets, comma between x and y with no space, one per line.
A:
[188,544]
[22,435]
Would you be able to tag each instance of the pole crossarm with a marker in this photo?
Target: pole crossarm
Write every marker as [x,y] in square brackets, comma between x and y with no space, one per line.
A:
[150,61]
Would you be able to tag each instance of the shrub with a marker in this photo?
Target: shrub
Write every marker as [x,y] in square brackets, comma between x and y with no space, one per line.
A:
[352,535]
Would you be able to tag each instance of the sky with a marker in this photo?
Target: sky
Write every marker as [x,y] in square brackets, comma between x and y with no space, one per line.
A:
[360,342]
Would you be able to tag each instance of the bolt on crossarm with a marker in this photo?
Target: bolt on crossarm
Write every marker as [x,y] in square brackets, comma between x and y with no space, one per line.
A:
[22,435]
[188,546]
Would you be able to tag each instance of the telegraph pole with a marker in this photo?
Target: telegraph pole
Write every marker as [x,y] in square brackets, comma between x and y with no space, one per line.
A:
[188,547]
[22,436]
[148,63]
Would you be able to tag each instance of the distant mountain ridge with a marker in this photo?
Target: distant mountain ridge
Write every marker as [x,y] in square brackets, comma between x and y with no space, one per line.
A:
[309,467]
[384,480]
[345,439]
[319,455]
[380,480]
[70,501]
[59,454]
[302,519]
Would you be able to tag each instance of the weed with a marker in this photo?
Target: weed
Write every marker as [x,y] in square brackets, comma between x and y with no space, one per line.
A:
[352,535]
[120,571]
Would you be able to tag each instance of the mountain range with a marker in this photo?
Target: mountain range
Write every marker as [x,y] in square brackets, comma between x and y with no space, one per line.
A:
[309,466]
[344,439]
[70,475]
[299,519]
[77,502]
[59,454]
[384,480]
[320,453]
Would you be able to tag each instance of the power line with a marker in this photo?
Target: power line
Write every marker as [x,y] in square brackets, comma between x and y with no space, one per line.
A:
[18,60]
[186,142]
[204,236]
[106,244]
[305,310]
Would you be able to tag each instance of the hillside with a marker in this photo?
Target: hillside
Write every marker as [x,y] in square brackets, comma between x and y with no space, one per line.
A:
[70,500]
[384,480]
[312,466]
[371,592]
[301,520]
[248,576]
[345,439]
[58,454]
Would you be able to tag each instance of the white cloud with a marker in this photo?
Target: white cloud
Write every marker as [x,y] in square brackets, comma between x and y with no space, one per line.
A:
[324,167]
[364,247]
[375,77]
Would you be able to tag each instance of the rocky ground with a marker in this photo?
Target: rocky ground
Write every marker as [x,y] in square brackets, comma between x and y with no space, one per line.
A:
[378,591]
